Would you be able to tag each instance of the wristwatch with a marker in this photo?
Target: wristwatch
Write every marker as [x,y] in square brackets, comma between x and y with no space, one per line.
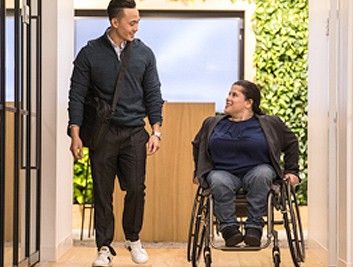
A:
[157,134]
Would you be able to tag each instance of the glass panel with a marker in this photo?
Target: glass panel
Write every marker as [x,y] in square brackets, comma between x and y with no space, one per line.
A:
[34,85]
[210,62]
[10,60]
[33,220]
[23,133]
[22,216]
[9,188]
[33,141]
[34,7]
[21,196]
[33,66]
[33,145]
[24,93]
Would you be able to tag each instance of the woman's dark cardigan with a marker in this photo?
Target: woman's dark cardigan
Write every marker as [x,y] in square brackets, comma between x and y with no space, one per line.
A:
[279,138]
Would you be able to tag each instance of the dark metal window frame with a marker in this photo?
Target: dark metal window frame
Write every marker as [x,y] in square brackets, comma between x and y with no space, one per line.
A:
[22,113]
[184,14]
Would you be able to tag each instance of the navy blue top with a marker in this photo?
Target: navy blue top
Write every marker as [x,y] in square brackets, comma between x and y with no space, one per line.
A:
[237,147]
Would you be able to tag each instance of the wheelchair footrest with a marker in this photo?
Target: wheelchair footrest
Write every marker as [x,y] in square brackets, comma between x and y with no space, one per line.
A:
[238,248]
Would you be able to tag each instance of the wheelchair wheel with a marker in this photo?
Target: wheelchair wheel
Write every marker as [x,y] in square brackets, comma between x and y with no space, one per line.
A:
[197,228]
[195,208]
[293,225]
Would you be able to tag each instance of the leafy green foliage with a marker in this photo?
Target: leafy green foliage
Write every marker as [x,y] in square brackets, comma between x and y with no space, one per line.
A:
[281,30]
[83,183]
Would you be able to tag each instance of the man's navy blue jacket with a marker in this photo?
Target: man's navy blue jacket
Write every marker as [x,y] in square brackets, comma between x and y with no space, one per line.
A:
[96,68]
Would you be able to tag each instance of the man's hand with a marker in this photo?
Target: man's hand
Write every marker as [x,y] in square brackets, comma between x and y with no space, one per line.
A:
[76,143]
[76,148]
[154,142]
[153,145]
[291,178]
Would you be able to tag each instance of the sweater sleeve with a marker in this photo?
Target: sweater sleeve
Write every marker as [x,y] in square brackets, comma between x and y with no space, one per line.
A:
[290,148]
[198,140]
[80,82]
[152,92]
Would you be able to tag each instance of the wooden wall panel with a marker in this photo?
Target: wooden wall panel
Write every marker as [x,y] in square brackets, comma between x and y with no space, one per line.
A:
[170,191]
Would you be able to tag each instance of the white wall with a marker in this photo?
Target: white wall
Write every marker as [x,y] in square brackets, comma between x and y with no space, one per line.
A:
[345,143]
[330,129]
[58,51]
[318,125]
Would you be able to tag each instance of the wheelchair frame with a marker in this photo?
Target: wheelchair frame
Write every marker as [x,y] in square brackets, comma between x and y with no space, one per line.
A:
[281,197]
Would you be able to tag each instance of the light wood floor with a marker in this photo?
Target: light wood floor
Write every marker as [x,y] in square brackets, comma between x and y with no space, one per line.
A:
[174,254]
[167,256]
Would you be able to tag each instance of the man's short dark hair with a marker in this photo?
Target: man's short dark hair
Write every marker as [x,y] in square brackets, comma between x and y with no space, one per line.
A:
[116,6]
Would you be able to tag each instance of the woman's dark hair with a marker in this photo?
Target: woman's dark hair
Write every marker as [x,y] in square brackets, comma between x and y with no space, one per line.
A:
[251,91]
[116,6]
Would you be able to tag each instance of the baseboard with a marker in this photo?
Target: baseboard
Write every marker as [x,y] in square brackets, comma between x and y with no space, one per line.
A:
[343,263]
[54,253]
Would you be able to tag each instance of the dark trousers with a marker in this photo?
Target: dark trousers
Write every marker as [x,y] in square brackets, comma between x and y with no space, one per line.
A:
[122,153]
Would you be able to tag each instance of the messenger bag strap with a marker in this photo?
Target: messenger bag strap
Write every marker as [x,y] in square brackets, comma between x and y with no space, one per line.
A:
[121,73]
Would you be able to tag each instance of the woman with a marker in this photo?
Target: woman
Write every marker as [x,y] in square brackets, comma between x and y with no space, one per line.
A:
[242,149]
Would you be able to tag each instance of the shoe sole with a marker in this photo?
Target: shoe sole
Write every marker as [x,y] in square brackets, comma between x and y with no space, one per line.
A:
[252,241]
[234,240]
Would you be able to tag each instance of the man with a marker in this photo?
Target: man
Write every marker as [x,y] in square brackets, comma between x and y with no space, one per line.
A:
[123,150]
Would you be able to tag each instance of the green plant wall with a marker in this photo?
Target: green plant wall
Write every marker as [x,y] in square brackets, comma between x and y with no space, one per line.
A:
[281,30]
[83,183]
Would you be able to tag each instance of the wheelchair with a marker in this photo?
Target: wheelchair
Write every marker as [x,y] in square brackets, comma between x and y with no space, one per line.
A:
[203,228]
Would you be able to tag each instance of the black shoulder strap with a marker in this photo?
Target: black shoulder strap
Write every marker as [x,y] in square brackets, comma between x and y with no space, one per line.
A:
[121,73]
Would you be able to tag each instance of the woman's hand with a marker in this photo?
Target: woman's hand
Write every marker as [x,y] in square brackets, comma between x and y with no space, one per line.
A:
[196,180]
[291,178]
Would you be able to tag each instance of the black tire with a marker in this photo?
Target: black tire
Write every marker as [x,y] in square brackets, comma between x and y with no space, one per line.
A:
[293,225]
[300,241]
[277,261]
[197,228]
[197,201]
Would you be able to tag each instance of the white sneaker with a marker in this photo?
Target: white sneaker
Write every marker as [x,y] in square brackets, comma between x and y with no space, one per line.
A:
[104,258]
[138,253]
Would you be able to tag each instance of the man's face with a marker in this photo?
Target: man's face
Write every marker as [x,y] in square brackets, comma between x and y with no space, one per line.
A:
[126,25]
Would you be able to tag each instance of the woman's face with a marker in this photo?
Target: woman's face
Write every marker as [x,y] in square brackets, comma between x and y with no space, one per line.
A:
[236,102]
